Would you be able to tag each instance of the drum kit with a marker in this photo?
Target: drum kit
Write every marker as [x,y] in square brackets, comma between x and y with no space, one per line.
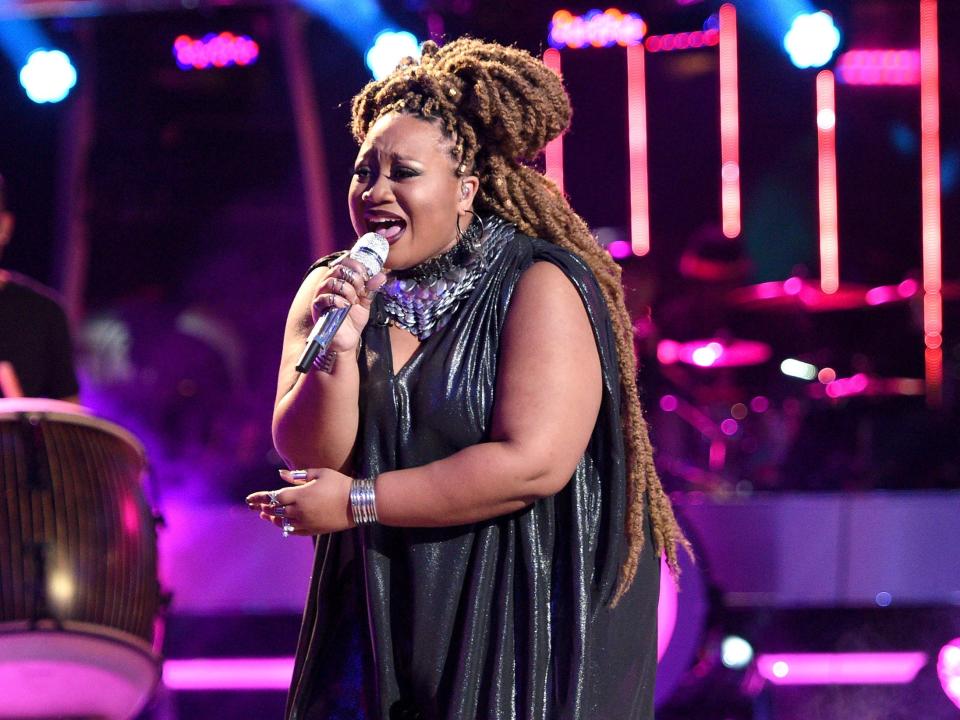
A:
[79,595]
[739,414]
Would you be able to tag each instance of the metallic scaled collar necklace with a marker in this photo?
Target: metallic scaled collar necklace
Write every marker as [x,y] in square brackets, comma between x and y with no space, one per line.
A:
[422,299]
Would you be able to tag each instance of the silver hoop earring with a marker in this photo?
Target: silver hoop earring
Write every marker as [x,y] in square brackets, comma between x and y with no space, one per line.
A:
[472,237]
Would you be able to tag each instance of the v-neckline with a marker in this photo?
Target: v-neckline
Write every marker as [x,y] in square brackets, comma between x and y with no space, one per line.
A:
[394,371]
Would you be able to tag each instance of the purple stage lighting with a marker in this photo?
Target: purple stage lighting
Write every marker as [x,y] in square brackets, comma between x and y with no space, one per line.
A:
[596,29]
[272,673]
[879,67]
[880,668]
[948,670]
[619,249]
[214,51]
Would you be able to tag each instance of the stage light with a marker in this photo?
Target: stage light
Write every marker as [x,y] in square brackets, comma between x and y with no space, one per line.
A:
[668,403]
[883,599]
[879,67]
[214,51]
[812,39]
[948,670]
[930,201]
[827,183]
[760,404]
[707,355]
[619,249]
[846,387]
[798,369]
[48,76]
[637,141]
[553,154]
[890,668]
[826,119]
[595,29]
[682,41]
[668,352]
[735,652]
[388,49]
[729,123]
[359,21]
[268,673]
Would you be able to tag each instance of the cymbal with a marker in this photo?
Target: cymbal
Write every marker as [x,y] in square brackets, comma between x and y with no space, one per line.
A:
[798,294]
[714,352]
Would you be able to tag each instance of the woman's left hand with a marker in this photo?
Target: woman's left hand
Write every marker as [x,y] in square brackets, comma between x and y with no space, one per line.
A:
[319,504]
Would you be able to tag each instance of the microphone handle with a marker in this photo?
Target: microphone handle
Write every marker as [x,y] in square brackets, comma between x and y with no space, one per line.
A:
[321,335]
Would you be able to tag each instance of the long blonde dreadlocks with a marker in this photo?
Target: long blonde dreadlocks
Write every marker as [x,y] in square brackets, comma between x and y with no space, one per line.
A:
[501,106]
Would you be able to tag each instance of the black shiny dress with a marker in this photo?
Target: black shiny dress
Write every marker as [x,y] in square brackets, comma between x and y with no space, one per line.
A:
[505,618]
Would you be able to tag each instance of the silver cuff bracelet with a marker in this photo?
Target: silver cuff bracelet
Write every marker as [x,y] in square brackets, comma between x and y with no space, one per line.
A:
[363,501]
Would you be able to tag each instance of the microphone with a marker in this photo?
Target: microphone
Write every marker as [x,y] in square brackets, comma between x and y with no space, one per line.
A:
[371,252]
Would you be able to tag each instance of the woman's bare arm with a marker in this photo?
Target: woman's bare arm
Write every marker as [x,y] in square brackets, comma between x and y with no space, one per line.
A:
[316,415]
[547,400]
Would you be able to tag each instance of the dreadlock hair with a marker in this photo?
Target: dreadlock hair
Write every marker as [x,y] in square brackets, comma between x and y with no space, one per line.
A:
[500,106]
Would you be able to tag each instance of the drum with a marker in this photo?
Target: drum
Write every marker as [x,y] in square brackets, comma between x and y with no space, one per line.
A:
[78,566]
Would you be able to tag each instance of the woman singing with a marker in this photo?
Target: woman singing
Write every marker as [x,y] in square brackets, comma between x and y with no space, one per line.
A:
[480,475]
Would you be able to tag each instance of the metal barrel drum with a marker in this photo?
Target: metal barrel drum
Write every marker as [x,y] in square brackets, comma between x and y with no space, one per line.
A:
[79,594]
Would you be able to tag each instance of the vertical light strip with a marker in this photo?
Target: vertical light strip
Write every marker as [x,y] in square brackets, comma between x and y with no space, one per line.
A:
[930,200]
[554,151]
[637,138]
[729,123]
[827,182]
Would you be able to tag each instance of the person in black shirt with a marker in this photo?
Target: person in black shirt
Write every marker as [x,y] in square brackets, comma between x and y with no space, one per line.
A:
[36,352]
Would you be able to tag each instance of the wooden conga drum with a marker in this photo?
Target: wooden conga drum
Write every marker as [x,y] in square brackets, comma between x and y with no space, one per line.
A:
[78,566]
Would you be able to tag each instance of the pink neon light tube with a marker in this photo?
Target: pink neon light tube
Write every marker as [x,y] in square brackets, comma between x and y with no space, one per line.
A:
[637,139]
[930,199]
[554,150]
[272,673]
[827,182]
[879,67]
[729,123]
[841,668]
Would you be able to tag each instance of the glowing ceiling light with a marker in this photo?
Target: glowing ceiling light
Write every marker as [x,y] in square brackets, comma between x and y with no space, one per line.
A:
[389,48]
[596,29]
[214,51]
[48,76]
[735,652]
[812,40]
